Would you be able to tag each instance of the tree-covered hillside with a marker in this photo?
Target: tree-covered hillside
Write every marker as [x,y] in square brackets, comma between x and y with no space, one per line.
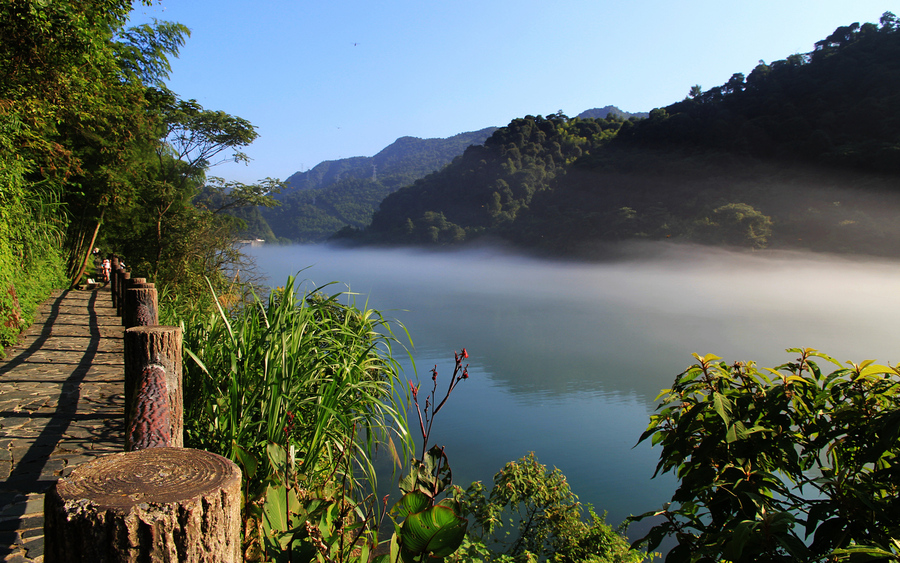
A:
[837,105]
[605,111]
[803,152]
[340,193]
[484,190]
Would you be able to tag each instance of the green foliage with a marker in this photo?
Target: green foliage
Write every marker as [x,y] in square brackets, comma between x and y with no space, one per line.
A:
[299,391]
[737,224]
[88,135]
[426,528]
[328,364]
[143,51]
[836,105]
[484,190]
[23,287]
[791,463]
[180,226]
[544,520]
[63,106]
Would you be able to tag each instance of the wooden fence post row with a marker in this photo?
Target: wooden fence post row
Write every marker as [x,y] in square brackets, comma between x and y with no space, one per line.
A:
[135,309]
[157,501]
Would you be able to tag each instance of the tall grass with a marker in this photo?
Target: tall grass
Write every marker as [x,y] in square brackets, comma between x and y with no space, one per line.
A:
[300,370]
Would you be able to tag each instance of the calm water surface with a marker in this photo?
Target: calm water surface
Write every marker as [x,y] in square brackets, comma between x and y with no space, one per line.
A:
[566,359]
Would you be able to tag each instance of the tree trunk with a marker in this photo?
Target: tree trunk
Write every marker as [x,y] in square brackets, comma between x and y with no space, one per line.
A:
[159,504]
[153,398]
[90,248]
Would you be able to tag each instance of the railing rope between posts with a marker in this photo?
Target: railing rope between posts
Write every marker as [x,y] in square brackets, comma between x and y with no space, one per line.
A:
[156,501]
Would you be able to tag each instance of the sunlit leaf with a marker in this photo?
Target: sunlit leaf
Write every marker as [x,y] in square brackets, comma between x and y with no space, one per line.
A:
[437,531]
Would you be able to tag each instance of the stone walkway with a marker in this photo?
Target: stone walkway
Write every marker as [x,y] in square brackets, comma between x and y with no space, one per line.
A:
[61,404]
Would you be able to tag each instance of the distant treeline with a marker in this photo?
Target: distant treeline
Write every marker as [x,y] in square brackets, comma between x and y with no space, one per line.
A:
[802,152]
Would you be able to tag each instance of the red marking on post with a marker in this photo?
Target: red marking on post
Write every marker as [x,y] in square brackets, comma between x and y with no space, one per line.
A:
[151,425]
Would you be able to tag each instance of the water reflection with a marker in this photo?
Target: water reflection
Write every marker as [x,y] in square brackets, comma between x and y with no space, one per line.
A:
[567,359]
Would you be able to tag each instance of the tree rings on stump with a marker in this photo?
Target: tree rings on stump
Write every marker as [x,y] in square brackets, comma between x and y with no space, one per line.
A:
[158,504]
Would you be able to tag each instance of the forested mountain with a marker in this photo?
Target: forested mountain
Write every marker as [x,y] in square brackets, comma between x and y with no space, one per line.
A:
[602,113]
[484,190]
[803,152]
[339,193]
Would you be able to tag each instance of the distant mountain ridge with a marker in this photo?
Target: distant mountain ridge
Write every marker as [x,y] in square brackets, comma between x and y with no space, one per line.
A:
[336,194]
[344,193]
[411,157]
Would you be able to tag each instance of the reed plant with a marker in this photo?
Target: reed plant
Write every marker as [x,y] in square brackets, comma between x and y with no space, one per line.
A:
[299,389]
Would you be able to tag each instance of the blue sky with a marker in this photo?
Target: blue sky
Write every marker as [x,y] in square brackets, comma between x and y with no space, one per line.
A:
[339,78]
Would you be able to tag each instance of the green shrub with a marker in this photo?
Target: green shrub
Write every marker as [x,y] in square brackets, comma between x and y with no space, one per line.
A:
[784,464]
[544,520]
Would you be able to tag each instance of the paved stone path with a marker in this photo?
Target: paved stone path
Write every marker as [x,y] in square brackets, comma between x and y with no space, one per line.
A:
[61,404]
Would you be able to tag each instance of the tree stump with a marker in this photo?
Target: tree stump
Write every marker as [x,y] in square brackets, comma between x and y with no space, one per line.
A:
[141,307]
[159,504]
[153,398]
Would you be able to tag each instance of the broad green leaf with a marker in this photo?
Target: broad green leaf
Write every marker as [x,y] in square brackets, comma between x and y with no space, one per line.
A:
[723,407]
[735,546]
[247,461]
[731,435]
[280,503]
[277,456]
[436,531]
[872,551]
[395,547]
[873,369]
[410,503]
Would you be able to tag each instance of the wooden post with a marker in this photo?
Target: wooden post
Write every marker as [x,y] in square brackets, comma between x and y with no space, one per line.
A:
[160,504]
[153,399]
[114,267]
[117,287]
[141,305]
[124,282]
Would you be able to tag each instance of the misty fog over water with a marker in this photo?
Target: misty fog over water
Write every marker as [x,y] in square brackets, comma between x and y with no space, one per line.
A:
[566,358]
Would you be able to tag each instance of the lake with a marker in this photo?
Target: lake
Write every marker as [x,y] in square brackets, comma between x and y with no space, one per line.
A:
[567,358]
